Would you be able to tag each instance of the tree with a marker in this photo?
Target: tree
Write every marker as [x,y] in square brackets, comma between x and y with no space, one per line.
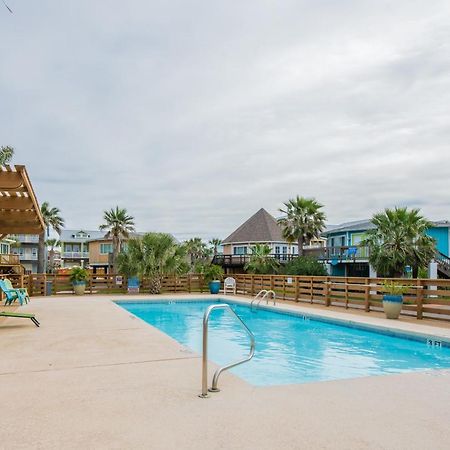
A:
[155,255]
[399,240]
[6,154]
[52,219]
[303,221]
[52,243]
[197,251]
[215,242]
[119,225]
[260,260]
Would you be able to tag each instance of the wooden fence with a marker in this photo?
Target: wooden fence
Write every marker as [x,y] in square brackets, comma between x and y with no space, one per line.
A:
[424,298]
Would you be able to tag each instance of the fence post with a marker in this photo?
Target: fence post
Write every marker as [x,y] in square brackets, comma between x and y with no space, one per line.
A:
[419,300]
[200,282]
[311,292]
[296,289]
[189,282]
[367,296]
[327,292]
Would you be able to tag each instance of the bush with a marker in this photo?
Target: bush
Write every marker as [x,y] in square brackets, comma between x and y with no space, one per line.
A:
[78,275]
[305,265]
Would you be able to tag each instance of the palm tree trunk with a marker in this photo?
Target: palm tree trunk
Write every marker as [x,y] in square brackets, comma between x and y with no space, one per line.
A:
[41,253]
[115,242]
[155,284]
[300,246]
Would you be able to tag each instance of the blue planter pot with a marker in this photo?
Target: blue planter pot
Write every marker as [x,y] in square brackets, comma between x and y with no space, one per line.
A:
[392,305]
[214,287]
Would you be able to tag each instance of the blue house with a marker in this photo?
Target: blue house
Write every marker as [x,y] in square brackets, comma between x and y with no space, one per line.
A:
[346,257]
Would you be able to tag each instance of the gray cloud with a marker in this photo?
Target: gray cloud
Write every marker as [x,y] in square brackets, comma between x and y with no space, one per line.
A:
[193,115]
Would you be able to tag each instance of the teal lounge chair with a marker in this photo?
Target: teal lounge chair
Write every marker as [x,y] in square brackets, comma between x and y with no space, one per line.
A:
[20,316]
[23,291]
[11,294]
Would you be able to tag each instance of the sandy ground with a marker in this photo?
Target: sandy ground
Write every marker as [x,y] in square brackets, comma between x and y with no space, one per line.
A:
[95,377]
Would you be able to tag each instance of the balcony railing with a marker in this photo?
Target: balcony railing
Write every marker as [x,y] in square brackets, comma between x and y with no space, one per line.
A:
[28,257]
[241,260]
[9,260]
[75,255]
[325,254]
[341,253]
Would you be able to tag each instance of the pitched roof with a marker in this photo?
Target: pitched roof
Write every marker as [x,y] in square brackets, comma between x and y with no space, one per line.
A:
[261,227]
[71,235]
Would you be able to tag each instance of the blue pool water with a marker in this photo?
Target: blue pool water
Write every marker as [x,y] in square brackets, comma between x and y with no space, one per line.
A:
[289,349]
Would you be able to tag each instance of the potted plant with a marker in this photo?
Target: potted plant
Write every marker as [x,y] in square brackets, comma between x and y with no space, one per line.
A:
[78,277]
[213,275]
[393,298]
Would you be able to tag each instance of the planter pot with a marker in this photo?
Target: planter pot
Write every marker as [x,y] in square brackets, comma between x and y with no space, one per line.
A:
[392,305]
[79,287]
[214,287]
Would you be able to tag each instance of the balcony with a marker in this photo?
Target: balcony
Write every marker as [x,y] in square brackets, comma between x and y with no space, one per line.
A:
[75,255]
[241,260]
[341,253]
[28,257]
[324,254]
[9,260]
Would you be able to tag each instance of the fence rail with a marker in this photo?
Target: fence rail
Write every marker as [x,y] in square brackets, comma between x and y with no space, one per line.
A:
[424,298]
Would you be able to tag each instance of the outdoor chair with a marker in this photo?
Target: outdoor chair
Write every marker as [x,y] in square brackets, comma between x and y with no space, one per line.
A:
[11,294]
[23,291]
[229,285]
[20,316]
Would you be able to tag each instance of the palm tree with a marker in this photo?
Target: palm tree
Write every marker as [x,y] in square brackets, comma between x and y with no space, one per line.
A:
[197,250]
[399,240]
[303,221]
[52,243]
[155,255]
[6,154]
[215,242]
[260,260]
[52,219]
[119,225]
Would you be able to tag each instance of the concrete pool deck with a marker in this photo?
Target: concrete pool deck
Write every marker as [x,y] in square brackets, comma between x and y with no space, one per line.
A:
[94,376]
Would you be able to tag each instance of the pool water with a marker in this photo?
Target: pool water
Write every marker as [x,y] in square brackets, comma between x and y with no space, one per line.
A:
[289,348]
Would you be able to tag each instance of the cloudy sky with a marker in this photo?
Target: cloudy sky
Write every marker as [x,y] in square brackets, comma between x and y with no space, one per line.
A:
[195,114]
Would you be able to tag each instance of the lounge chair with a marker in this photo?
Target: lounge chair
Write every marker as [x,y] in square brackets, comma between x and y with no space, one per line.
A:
[229,285]
[11,294]
[23,291]
[20,316]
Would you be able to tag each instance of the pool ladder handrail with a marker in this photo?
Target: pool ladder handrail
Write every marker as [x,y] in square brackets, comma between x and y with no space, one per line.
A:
[218,372]
[265,295]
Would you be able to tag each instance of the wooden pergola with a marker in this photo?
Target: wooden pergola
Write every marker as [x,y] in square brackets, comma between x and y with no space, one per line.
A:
[19,209]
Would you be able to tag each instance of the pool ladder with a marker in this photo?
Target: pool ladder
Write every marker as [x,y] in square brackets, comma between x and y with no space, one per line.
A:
[261,296]
[217,373]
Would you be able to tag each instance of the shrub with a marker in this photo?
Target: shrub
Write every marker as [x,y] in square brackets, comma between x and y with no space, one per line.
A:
[305,265]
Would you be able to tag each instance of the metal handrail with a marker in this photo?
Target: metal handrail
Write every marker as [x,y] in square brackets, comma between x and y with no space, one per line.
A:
[258,295]
[265,296]
[217,373]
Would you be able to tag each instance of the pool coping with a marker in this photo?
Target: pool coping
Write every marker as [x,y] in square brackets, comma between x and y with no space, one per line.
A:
[405,330]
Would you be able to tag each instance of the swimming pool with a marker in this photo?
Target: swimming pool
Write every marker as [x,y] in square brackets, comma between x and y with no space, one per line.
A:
[289,348]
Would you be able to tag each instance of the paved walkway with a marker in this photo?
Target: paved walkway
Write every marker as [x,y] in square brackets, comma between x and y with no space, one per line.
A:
[94,377]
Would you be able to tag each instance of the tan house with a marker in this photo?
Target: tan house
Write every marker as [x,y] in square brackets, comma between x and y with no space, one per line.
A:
[261,228]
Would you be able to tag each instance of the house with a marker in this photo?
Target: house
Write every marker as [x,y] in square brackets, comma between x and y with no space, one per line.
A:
[27,249]
[75,246]
[346,257]
[261,228]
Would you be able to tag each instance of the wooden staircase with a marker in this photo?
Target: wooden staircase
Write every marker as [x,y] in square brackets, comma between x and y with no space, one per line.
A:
[443,265]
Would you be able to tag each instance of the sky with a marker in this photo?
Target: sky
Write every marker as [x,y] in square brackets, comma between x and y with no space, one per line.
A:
[193,114]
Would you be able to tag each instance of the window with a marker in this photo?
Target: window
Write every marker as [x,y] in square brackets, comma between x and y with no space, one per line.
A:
[105,249]
[277,250]
[34,251]
[239,250]
[68,247]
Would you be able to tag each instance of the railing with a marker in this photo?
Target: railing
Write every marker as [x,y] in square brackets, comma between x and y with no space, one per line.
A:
[339,253]
[425,298]
[241,260]
[218,372]
[9,260]
[75,254]
[443,263]
[27,257]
